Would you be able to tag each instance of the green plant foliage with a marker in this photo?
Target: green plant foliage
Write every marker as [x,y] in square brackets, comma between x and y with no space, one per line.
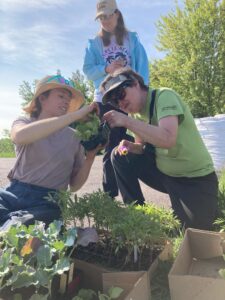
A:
[159,281]
[193,40]
[32,256]
[85,129]
[176,243]
[86,87]
[26,91]
[221,196]
[6,148]
[220,222]
[132,227]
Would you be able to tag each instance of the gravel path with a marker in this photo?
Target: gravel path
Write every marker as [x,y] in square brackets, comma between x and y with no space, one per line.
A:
[93,183]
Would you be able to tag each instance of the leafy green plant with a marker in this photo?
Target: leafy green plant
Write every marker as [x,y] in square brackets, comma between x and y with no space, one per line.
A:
[32,256]
[97,208]
[130,229]
[113,293]
[221,195]
[220,221]
[85,129]
[143,227]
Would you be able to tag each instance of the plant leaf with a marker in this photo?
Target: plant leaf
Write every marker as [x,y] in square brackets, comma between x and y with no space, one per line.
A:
[44,256]
[114,292]
[62,265]
[71,237]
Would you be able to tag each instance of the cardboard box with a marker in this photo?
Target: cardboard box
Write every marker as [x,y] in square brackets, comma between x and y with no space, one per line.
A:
[194,274]
[135,285]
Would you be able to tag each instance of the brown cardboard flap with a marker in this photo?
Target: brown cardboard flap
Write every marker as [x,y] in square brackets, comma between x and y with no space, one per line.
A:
[207,267]
[141,289]
[136,285]
[211,243]
[128,281]
[196,288]
[182,263]
[200,254]
[91,274]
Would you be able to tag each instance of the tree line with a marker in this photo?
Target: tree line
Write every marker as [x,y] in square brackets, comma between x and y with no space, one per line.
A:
[192,41]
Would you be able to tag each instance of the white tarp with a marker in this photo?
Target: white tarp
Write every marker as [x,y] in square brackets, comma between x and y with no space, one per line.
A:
[212,130]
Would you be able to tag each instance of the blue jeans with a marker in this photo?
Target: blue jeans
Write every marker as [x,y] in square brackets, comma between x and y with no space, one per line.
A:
[26,203]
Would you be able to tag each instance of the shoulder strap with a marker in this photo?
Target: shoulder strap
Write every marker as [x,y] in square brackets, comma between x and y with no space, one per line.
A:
[152,105]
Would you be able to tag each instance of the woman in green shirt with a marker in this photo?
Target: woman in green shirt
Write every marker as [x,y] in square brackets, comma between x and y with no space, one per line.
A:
[168,153]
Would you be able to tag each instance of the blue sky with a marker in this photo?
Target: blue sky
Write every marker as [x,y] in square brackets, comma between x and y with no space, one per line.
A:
[37,37]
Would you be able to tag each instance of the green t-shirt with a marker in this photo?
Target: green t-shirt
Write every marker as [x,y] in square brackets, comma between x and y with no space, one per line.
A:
[189,157]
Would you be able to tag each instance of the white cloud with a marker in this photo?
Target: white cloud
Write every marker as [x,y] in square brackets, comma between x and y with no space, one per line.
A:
[7,5]
[10,106]
[145,4]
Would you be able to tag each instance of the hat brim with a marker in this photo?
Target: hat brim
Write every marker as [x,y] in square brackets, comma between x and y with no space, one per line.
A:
[113,87]
[76,101]
[102,13]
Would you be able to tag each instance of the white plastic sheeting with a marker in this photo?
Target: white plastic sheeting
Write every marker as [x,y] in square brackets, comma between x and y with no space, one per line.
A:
[212,130]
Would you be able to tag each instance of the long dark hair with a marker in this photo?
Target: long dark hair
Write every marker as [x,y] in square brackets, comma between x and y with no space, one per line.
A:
[37,109]
[120,31]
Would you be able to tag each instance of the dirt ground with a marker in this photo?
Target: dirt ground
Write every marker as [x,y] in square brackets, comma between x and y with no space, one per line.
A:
[93,183]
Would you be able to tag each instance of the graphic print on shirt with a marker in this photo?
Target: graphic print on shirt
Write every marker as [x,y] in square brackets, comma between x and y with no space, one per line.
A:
[117,52]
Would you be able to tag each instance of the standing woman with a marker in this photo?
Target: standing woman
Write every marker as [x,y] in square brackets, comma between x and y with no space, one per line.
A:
[113,47]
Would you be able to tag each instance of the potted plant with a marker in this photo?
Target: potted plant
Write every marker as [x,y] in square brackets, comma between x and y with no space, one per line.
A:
[130,237]
[32,257]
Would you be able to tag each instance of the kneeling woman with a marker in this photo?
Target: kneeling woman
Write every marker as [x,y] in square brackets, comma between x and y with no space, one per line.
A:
[49,155]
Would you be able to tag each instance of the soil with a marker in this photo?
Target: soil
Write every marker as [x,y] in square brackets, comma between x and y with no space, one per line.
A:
[108,256]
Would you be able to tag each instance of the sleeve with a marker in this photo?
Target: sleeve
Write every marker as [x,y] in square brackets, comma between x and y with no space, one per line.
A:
[141,59]
[92,66]
[78,160]
[20,120]
[169,104]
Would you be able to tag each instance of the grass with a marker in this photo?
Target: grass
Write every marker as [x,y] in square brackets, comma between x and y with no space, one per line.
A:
[159,282]
[7,154]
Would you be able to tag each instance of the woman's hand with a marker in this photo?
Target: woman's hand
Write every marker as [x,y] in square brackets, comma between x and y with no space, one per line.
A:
[116,64]
[136,148]
[87,109]
[115,118]
[92,153]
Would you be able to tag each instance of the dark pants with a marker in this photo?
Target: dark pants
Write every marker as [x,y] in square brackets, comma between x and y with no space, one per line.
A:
[194,200]
[117,134]
[26,203]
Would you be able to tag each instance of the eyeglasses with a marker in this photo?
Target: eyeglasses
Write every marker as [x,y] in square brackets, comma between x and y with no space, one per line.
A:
[119,93]
[62,80]
[105,17]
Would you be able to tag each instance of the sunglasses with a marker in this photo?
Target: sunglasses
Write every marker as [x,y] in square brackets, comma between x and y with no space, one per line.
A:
[119,93]
[105,17]
[62,80]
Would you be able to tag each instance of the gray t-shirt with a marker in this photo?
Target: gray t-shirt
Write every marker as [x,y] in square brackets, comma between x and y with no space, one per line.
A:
[49,162]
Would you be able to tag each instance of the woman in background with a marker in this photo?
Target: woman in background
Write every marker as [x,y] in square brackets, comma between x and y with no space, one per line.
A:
[113,47]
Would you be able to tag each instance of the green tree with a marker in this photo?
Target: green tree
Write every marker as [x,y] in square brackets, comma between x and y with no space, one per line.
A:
[193,40]
[26,91]
[85,86]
